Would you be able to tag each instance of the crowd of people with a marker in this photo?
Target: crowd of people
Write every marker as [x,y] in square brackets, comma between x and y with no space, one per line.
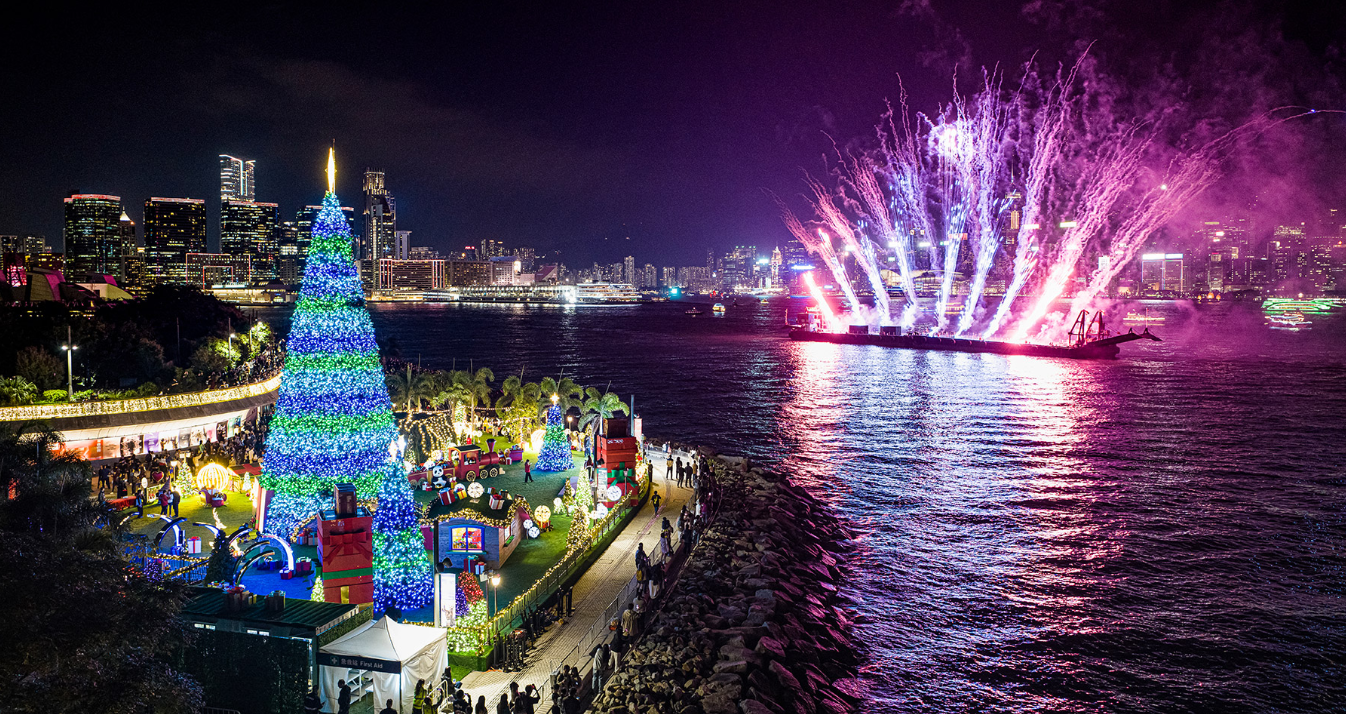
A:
[147,479]
[443,697]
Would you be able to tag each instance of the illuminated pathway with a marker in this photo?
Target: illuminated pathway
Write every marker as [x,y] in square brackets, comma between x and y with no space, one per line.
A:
[594,591]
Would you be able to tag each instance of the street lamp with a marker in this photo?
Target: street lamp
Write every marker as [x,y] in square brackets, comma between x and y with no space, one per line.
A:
[69,348]
[495,592]
[231,346]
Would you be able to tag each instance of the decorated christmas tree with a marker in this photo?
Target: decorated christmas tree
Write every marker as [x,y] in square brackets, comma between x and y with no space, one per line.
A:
[555,455]
[401,568]
[333,420]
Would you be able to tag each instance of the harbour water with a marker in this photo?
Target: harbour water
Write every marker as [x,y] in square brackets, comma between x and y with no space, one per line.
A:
[1164,532]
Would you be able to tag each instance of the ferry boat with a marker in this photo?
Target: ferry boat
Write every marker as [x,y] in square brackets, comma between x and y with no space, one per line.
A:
[1289,322]
[606,294]
[717,308]
[694,311]
[1144,317]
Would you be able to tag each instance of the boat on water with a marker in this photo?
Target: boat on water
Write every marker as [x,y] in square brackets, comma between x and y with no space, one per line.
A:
[1289,322]
[606,294]
[1142,317]
[717,308]
[1088,340]
[694,311]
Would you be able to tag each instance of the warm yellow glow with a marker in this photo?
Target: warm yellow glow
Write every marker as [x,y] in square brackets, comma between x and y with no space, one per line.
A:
[127,406]
[213,476]
[554,398]
[331,169]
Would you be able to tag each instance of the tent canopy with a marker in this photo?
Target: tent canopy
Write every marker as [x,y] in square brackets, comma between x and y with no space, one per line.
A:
[395,655]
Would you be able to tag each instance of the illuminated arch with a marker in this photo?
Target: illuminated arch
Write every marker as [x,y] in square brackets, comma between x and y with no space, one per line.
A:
[262,541]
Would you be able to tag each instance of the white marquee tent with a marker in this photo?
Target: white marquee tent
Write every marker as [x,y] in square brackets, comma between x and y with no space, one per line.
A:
[389,656]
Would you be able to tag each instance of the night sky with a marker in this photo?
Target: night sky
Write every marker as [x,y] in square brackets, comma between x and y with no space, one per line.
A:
[653,129]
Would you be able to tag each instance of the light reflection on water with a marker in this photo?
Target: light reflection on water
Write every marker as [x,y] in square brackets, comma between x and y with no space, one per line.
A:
[1160,533]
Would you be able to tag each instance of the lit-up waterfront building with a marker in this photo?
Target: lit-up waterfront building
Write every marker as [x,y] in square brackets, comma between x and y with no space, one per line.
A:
[208,269]
[237,178]
[93,233]
[173,228]
[1163,274]
[249,228]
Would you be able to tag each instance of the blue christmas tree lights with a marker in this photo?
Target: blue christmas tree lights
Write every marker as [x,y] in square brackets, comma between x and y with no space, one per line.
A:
[555,454]
[402,574]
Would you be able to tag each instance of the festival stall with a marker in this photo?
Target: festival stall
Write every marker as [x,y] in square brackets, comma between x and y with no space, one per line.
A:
[475,522]
[384,657]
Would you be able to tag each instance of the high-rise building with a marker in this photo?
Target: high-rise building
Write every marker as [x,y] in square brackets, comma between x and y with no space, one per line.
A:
[126,231]
[421,252]
[628,271]
[1163,274]
[670,276]
[237,178]
[402,245]
[303,222]
[527,257]
[503,269]
[289,263]
[92,233]
[380,237]
[173,228]
[250,228]
[490,248]
[397,274]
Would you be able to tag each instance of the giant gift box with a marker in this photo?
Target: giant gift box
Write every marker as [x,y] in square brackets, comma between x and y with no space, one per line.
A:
[346,549]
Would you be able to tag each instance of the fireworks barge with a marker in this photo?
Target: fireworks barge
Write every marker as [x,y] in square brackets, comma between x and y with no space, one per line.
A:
[1089,340]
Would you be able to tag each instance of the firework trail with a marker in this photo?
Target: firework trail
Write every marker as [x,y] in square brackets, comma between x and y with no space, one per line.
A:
[1048,139]
[982,167]
[1099,189]
[840,226]
[862,178]
[903,172]
[822,246]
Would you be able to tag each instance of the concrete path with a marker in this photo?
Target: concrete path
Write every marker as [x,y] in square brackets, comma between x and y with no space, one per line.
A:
[594,591]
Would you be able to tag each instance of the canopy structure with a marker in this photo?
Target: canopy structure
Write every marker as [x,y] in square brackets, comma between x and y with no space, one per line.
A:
[391,657]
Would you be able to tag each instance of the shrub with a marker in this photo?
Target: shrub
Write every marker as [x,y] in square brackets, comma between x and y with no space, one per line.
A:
[17,391]
[54,395]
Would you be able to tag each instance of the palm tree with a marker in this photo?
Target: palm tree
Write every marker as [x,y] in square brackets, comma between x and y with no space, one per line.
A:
[568,394]
[519,404]
[603,405]
[410,389]
[51,486]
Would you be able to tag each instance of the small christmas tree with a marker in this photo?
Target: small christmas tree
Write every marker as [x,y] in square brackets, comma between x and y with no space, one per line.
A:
[401,568]
[555,455]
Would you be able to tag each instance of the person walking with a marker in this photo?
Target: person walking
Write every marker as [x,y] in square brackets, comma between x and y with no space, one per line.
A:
[668,472]
[642,560]
[527,471]
[657,500]
[343,697]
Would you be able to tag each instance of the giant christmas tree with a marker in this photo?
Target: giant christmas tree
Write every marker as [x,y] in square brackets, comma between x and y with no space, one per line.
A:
[333,420]
[401,569]
[555,455]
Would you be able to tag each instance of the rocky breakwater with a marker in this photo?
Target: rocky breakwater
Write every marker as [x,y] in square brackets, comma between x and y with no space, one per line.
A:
[755,623]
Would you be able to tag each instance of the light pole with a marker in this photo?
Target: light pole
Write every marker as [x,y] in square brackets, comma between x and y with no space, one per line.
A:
[69,348]
[231,346]
[495,593]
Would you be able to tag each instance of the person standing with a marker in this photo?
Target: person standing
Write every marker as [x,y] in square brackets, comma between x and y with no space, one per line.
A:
[140,504]
[343,697]
[527,471]
[418,698]
[481,706]
[389,709]
[312,702]
[628,624]
[502,707]
[666,542]
[174,500]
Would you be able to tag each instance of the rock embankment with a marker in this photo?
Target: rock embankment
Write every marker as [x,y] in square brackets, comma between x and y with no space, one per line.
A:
[755,623]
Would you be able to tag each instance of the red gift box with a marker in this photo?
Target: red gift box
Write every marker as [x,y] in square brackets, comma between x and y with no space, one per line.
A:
[303,566]
[286,574]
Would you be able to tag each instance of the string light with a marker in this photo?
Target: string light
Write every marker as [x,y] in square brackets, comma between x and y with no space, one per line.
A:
[145,404]
[402,575]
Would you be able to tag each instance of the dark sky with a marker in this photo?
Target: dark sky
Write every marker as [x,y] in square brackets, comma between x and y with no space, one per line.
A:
[600,130]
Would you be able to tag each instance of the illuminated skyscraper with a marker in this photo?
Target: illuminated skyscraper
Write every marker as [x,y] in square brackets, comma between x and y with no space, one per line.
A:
[251,228]
[237,178]
[92,233]
[380,218]
[174,227]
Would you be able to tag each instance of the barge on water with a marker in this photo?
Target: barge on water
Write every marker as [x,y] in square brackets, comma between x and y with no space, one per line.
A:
[1088,341]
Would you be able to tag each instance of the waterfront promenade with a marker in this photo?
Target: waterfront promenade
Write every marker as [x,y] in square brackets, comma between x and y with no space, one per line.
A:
[594,593]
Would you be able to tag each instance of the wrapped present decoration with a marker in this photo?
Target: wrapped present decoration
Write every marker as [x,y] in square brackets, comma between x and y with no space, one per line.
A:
[497,501]
[194,545]
[286,574]
[303,566]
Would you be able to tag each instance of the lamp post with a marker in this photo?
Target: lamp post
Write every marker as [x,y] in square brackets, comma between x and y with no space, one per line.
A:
[69,348]
[495,593]
[231,346]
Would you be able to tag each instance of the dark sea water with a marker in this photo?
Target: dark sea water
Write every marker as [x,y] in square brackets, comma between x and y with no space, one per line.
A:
[1160,533]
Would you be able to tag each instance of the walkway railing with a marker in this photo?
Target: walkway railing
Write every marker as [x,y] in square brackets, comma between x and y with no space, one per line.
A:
[144,404]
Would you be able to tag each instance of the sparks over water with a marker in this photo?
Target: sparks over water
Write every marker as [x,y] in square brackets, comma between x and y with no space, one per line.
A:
[1026,167]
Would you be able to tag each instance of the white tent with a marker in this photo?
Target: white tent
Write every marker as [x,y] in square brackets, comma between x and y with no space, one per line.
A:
[394,656]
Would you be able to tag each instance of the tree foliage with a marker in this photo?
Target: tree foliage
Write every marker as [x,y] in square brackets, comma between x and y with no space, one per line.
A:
[84,630]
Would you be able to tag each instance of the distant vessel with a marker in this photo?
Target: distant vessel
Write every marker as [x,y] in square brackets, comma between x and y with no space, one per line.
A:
[694,311]
[717,308]
[606,294]
[1142,317]
[1290,322]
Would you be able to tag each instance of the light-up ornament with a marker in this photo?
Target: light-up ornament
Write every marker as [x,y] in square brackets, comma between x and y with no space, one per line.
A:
[614,492]
[542,515]
[528,523]
[533,532]
[558,503]
[600,510]
[214,477]
[475,489]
